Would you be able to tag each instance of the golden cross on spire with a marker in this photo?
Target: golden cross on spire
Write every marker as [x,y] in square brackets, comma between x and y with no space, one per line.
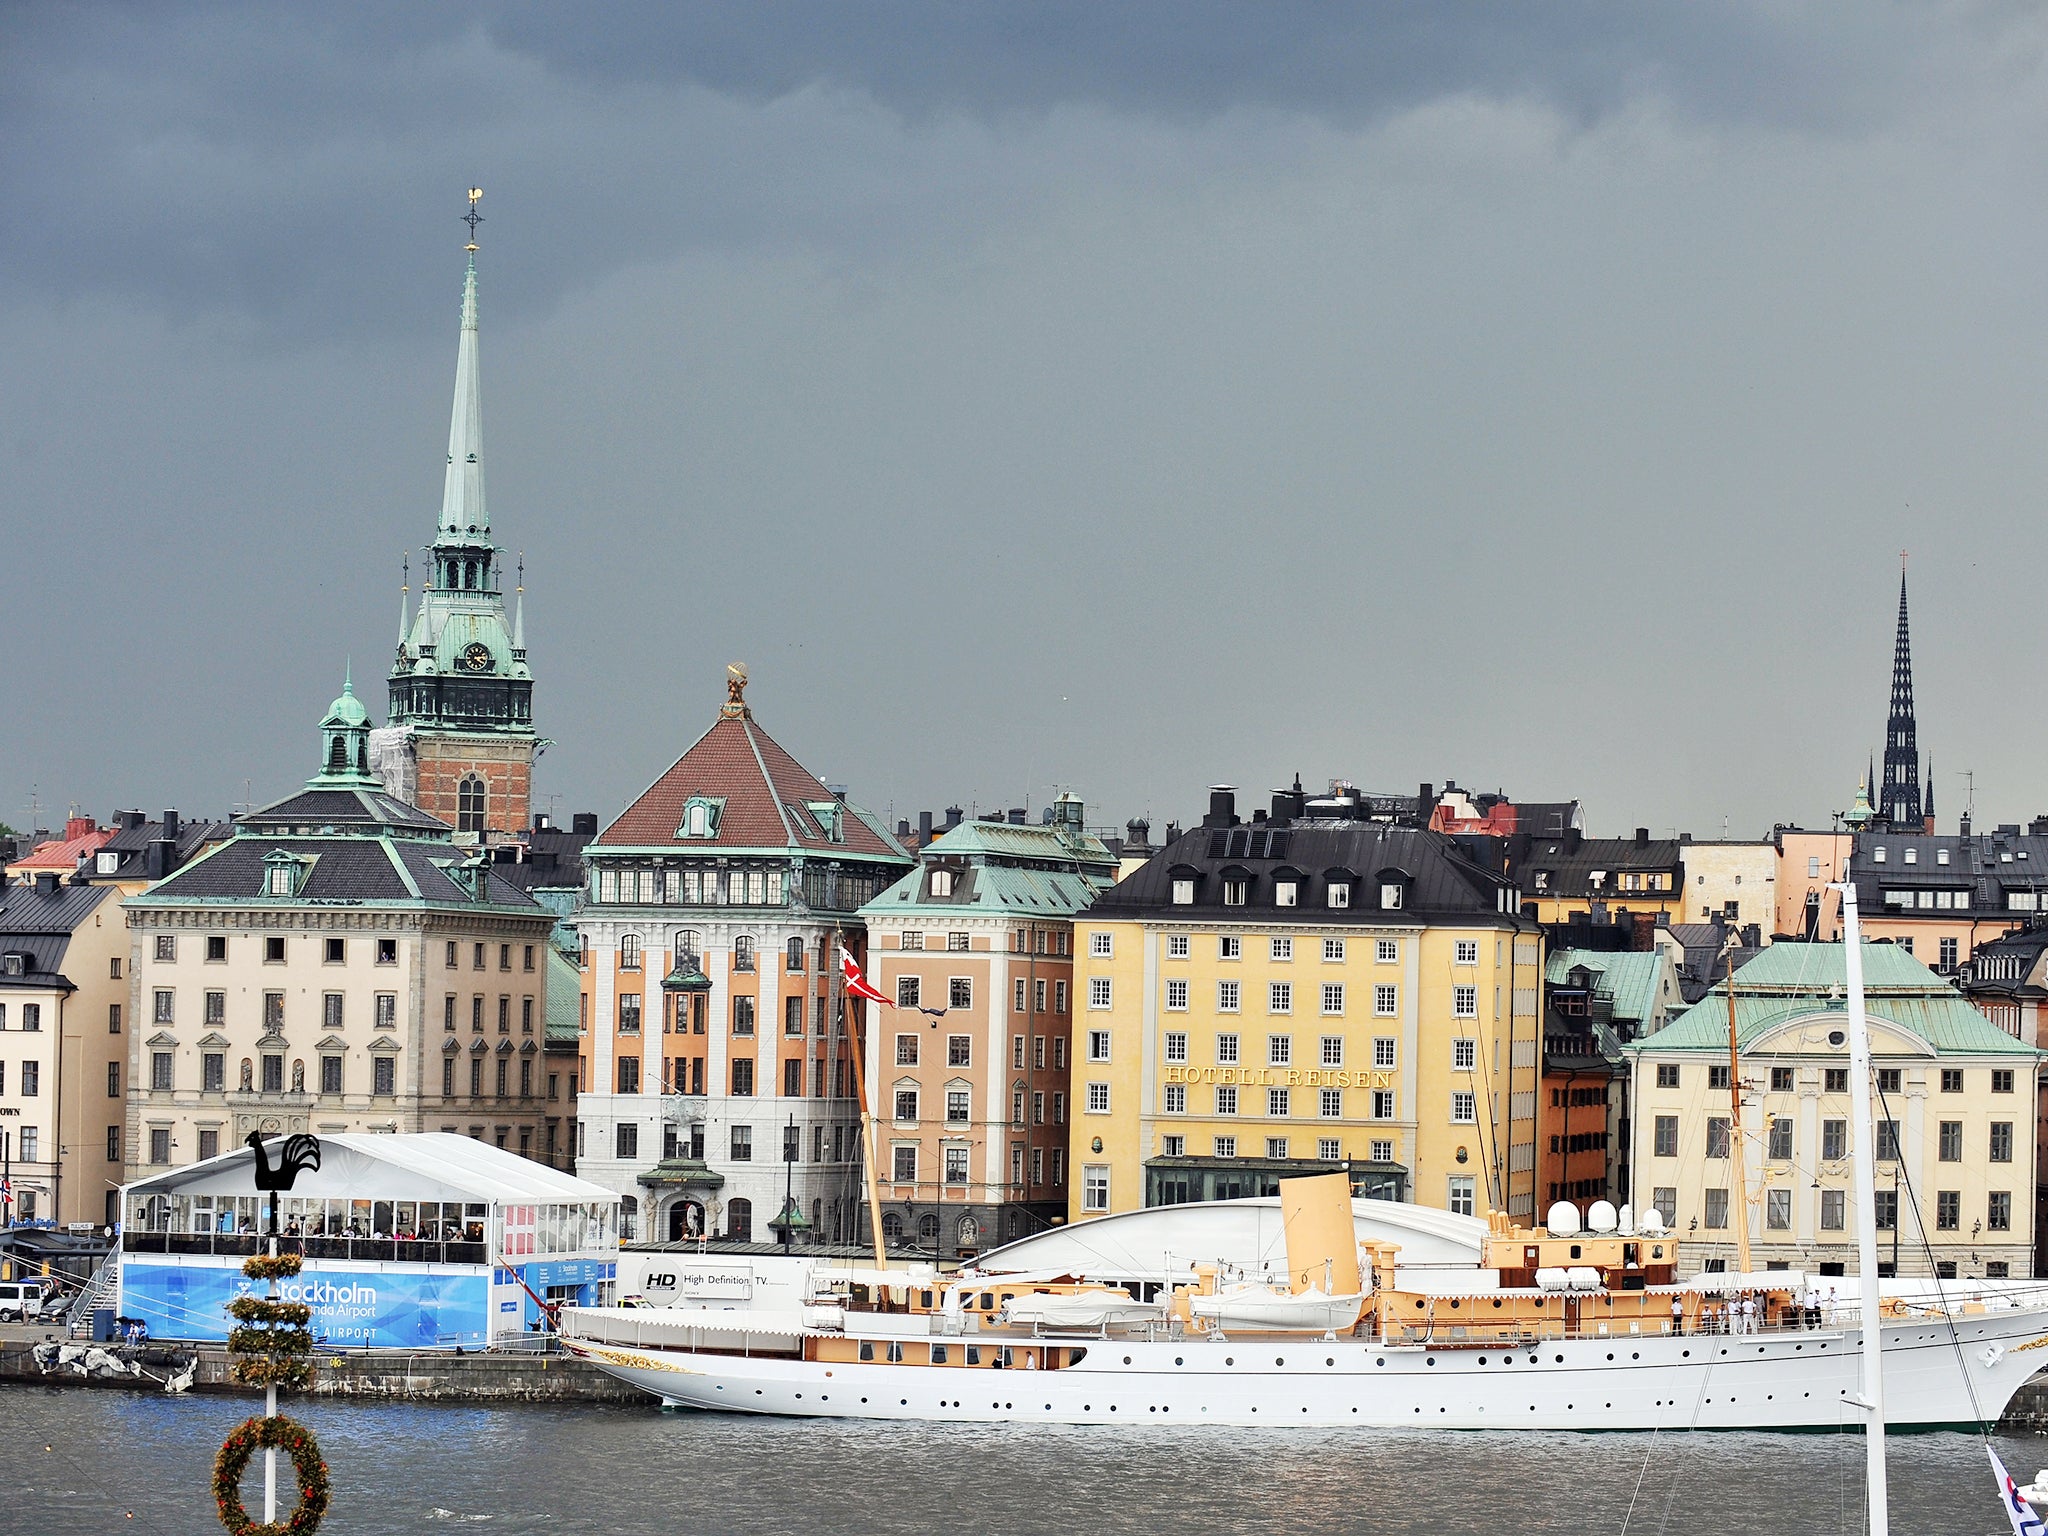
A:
[473,218]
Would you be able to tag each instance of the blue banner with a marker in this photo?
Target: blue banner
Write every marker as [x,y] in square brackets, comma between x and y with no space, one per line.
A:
[385,1309]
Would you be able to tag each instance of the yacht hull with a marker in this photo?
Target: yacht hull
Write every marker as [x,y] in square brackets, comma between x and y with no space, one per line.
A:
[1781,1380]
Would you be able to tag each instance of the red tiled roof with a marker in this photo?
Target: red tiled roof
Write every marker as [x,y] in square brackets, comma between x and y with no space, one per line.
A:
[63,853]
[765,790]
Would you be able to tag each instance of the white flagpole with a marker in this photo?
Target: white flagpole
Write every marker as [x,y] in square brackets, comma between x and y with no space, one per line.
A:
[1862,1145]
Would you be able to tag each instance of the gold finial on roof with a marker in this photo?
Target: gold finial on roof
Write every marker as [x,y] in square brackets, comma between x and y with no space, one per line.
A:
[735,705]
[473,218]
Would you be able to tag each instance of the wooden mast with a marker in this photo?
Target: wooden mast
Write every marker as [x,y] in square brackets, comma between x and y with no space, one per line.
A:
[857,1044]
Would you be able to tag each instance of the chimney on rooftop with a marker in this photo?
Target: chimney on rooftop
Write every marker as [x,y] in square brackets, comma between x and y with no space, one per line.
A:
[953,815]
[79,826]
[541,822]
[924,828]
[1016,815]
[2038,827]
[903,829]
[583,824]
[1642,837]
[1222,806]
[171,825]
[46,882]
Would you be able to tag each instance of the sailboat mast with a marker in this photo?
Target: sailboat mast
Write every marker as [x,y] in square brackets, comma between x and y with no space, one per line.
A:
[1738,1149]
[857,1043]
[1865,1185]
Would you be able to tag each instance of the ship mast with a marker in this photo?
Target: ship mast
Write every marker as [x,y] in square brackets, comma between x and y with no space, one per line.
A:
[1738,1149]
[1865,1185]
[857,1044]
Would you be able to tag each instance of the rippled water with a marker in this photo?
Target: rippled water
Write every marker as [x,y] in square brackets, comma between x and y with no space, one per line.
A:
[403,1469]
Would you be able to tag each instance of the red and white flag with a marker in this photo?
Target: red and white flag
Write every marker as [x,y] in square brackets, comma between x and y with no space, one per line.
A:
[858,985]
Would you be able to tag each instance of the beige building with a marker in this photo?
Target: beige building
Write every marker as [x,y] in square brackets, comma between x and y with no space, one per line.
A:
[1953,1102]
[63,1049]
[338,965]
[1736,882]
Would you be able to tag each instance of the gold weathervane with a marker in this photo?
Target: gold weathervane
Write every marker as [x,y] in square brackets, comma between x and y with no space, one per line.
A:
[473,218]
[735,690]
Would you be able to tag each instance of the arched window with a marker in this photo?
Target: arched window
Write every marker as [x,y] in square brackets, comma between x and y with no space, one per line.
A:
[685,1219]
[928,1229]
[743,952]
[892,1227]
[684,943]
[796,954]
[629,1219]
[337,752]
[629,952]
[471,802]
[739,1220]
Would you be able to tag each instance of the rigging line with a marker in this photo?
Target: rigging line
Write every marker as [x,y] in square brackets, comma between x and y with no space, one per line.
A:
[1947,1312]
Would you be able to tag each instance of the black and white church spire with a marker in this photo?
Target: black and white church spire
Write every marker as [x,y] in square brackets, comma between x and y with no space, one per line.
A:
[1898,804]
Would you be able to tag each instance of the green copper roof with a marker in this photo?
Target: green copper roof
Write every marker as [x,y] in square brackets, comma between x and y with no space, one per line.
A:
[1790,980]
[1631,979]
[1003,870]
[348,709]
[565,986]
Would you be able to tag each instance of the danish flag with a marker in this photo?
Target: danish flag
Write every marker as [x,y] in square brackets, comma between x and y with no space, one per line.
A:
[858,985]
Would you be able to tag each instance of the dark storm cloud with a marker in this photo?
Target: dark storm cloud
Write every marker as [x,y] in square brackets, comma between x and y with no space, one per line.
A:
[1118,396]
[276,160]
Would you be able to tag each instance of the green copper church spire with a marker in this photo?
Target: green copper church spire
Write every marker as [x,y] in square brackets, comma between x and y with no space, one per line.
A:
[463,518]
[345,741]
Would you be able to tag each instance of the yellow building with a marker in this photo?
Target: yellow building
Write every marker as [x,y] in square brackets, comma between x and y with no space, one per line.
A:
[1271,999]
[1954,1113]
[1605,879]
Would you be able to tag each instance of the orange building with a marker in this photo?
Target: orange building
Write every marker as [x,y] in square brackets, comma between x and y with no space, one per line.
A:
[970,1070]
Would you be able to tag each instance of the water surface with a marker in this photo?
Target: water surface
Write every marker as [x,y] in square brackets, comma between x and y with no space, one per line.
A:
[401,1469]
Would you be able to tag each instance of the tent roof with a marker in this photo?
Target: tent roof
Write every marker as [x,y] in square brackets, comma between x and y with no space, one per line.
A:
[396,1167]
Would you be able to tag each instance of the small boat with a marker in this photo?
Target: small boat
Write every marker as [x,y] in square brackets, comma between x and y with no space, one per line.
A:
[1256,1308]
[1093,1307]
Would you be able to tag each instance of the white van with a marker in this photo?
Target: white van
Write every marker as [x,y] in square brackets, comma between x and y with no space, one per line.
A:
[19,1298]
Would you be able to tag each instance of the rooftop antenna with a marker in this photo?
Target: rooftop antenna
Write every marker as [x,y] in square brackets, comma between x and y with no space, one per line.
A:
[1970,782]
[473,218]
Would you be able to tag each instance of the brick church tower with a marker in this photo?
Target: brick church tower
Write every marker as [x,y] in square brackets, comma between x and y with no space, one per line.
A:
[460,744]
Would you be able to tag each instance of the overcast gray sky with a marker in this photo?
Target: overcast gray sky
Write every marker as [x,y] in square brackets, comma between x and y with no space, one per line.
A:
[1121,398]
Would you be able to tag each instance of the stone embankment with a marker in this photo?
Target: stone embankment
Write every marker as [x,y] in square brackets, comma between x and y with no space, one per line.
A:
[375,1374]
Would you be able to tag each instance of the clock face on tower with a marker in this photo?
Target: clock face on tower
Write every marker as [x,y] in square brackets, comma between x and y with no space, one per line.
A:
[476,657]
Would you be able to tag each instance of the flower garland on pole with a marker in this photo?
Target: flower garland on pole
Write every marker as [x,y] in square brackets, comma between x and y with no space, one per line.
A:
[271,1347]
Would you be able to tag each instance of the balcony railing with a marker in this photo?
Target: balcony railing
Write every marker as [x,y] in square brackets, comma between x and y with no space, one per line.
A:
[242,1245]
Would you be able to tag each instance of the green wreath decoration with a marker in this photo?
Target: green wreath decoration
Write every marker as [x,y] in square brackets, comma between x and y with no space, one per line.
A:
[271,1347]
[296,1441]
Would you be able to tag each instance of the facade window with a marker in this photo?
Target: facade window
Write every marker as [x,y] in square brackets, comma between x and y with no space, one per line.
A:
[213,1072]
[1948,1210]
[1951,1080]
[1276,1146]
[159,1074]
[1385,1049]
[1177,995]
[1998,1211]
[1834,1140]
[1279,997]
[384,1073]
[1098,1045]
[1333,997]
[743,1077]
[273,1074]
[956,1165]
[957,1106]
[1390,896]
[743,1015]
[1386,1001]
[1383,1108]
[1667,1074]
[1467,952]
[629,952]
[1101,944]
[165,1004]
[960,992]
[1329,1150]
[1778,1210]
[1464,1055]
[1464,1108]
[1834,1210]
[1462,1192]
[1951,1140]
[1781,1080]
[1887,1141]
[1330,1103]
[2001,1141]
[159,1144]
[1176,1099]
[1176,946]
[1226,1146]
[1717,1137]
[1095,1186]
[906,1050]
[1717,1078]
[1017,996]
[1780,1149]
[166,948]
[1279,1050]
[629,1013]
[1229,947]
[1886,1203]
[1098,992]
[1333,1050]
[330,1074]
[2001,1080]
[1333,949]
[1387,951]
[1098,1098]
[1280,949]
[908,991]
[906,1105]
[1714,1210]
[1226,1050]
[472,801]
[1226,1101]
[1226,996]
[1464,1002]
[1666,1137]
[959,1050]
[1176,1046]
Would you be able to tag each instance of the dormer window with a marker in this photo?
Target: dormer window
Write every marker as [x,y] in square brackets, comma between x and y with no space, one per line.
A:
[701,815]
[1235,888]
[1542,879]
[829,814]
[1390,895]
[1183,892]
[1286,893]
[942,883]
[1339,894]
[1912,855]
[109,863]
[284,874]
[1877,855]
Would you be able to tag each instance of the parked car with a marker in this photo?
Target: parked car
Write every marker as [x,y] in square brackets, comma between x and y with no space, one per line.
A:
[21,1300]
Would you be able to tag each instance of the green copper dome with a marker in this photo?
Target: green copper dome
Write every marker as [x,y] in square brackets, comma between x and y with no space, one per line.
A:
[347,710]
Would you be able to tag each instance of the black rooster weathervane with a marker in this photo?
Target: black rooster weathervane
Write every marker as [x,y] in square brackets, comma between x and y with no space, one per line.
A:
[299,1153]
